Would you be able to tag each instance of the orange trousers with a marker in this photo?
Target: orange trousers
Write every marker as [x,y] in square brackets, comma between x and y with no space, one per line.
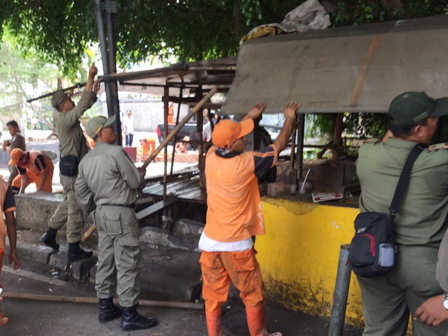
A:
[33,178]
[242,268]
[2,254]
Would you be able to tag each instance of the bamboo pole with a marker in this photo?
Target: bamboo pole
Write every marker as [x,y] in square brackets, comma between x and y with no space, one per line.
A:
[84,299]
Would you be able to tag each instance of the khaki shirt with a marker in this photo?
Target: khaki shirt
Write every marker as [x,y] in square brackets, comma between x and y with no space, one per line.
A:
[18,142]
[422,218]
[107,176]
[69,129]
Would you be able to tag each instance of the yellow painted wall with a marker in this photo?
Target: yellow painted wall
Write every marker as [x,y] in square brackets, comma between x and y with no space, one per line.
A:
[300,252]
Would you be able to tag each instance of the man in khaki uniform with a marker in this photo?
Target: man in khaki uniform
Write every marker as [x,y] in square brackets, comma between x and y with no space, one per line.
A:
[107,184]
[422,221]
[73,143]
[17,141]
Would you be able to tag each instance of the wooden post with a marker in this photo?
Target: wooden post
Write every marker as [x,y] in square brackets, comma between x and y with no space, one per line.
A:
[300,143]
[292,164]
[201,157]
[181,124]
[179,104]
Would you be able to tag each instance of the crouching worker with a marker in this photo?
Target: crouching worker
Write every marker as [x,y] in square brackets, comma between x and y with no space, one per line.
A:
[34,167]
[234,215]
[107,185]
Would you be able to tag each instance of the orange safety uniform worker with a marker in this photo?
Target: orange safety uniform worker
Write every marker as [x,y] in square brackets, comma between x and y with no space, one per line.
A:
[7,207]
[170,114]
[234,215]
[148,146]
[33,167]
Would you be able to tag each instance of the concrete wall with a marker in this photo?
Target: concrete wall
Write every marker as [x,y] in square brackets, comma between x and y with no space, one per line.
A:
[299,255]
[147,115]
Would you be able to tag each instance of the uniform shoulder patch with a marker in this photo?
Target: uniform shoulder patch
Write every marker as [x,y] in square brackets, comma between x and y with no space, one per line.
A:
[437,147]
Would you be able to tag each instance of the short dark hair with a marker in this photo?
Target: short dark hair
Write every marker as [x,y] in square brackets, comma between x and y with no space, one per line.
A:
[12,123]
[406,131]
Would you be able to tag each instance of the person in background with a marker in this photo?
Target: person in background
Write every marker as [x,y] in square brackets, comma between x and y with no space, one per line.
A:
[17,141]
[234,216]
[7,207]
[34,167]
[128,124]
[207,130]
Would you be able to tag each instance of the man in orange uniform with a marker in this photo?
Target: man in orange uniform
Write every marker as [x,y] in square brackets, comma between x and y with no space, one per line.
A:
[33,167]
[234,215]
[7,207]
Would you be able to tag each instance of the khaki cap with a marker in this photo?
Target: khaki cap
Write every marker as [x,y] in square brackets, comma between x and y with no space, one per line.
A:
[96,124]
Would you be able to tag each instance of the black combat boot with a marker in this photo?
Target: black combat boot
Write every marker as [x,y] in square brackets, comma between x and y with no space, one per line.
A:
[76,253]
[132,320]
[108,311]
[49,238]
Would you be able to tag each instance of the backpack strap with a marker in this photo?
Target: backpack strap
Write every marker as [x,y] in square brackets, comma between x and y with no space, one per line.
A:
[403,181]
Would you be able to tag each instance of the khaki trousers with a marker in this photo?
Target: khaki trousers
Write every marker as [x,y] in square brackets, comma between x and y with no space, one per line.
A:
[68,211]
[388,300]
[242,268]
[13,172]
[119,257]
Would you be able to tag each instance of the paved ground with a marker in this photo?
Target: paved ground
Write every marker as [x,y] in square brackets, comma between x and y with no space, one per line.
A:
[68,319]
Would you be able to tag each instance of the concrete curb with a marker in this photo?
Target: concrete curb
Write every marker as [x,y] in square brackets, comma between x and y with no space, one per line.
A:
[37,253]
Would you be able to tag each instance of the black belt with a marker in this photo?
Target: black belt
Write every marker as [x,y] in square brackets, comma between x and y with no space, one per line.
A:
[132,206]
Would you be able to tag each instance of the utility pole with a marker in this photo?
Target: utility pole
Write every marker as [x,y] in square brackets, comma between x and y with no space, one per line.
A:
[109,55]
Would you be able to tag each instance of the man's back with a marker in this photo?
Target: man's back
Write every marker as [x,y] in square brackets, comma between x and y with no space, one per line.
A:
[233,198]
[423,214]
[110,175]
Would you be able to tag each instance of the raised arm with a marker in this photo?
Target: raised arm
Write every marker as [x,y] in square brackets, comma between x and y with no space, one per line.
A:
[290,120]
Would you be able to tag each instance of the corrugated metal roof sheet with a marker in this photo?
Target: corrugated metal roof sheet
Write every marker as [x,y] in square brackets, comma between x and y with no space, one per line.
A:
[350,69]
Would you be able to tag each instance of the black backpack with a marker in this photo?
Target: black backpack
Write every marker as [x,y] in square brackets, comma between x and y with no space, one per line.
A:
[372,250]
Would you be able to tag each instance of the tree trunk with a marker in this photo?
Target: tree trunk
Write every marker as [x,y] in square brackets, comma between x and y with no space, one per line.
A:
[338,128]
[238,19]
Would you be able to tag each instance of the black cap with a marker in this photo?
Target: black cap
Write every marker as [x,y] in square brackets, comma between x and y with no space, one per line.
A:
[410,108]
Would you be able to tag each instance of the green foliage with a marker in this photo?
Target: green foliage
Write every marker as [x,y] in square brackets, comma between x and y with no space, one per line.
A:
[356,12]
[60,31]
[18,77]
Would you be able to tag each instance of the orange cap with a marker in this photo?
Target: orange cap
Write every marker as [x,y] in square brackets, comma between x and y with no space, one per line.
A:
[227,131]
[15,155]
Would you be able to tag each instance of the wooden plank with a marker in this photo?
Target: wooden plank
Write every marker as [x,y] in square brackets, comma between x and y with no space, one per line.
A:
[155,208]
[33,276]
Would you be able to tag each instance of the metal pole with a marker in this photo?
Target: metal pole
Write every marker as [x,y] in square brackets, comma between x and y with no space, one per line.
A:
[166,94]
[103,48]
[111,9]
[340,294]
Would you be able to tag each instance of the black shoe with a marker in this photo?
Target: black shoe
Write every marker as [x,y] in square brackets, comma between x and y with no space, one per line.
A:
[49,238]
[108,310]
[76,253]
[132,320]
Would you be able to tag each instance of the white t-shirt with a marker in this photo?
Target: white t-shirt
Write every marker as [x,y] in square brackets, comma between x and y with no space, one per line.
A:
[207,131]
[210,245]
[128,123]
